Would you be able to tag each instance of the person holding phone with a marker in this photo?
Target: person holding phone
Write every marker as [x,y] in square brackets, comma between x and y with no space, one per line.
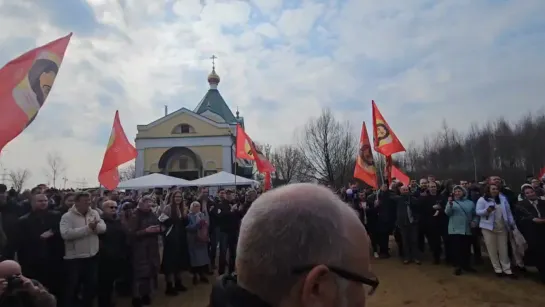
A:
[496,222]
[461,220]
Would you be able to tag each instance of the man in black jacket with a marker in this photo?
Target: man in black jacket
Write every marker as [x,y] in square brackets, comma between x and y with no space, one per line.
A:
[9,213]
[431,216]
[385,209]
[224,216]
[39,246]
[112,254]
[407,218]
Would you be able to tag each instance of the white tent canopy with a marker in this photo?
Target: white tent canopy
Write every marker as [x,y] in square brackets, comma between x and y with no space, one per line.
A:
[222,179]
[154,181]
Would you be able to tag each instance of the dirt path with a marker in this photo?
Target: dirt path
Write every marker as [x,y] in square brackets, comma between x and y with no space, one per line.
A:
[415,286]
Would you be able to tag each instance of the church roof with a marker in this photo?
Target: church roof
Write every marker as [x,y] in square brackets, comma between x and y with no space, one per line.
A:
[213,102]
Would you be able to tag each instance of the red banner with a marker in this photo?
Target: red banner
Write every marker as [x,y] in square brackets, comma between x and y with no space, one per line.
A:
[365,169]
[118,151]
[25,83]
[246,149]
[384,139]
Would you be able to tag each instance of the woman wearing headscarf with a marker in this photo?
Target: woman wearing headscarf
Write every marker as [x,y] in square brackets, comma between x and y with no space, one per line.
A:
[461,219]
[197,241]
[145,229]
[175,251]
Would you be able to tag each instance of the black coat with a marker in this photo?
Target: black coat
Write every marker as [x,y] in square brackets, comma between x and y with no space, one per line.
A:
[532,232]
[385,212]
[10,212]
[31,249]
[403,203]
[175,249]
[113,243]
[429,216]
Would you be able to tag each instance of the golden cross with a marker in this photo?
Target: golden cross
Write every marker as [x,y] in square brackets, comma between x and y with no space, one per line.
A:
[213,57]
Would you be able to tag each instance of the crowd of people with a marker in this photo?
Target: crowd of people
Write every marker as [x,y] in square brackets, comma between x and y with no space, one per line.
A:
[454,219]
[80,244]
[83,246]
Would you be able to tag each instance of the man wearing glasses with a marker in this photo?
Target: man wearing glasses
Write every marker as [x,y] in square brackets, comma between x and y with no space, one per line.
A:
[299,245]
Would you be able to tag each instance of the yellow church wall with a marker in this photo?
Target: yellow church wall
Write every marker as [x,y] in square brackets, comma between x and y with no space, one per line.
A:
[164,130]
[210,156]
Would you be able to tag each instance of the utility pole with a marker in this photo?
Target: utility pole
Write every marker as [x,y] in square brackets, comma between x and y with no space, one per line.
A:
[64,179]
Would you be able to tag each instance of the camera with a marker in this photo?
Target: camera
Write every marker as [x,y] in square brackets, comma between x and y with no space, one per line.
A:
[14,282]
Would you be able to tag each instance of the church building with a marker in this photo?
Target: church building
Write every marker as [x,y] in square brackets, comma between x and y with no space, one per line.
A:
[192,144]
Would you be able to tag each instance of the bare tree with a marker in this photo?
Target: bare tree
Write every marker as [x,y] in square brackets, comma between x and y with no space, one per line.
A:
[495,148]
[56,167]
[329,148]
[290,164]
[127,172]
[266,150]
[18,178]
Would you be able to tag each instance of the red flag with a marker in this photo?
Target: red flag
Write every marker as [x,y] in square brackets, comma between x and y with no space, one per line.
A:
[267,184]
[119,151]
[385,140]
[25,83]
[365,165]
[399,175]
[246,149]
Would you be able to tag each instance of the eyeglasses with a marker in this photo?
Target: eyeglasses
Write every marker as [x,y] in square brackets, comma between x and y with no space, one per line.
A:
[371,281]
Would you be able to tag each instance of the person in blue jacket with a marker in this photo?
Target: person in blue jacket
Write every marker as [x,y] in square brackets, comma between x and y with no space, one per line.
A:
[462,218]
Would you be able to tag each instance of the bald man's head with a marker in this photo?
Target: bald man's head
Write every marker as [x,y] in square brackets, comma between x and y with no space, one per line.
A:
[9,268]
[292,227]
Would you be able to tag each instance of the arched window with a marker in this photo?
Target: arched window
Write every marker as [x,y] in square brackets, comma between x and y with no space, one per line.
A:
[183,129]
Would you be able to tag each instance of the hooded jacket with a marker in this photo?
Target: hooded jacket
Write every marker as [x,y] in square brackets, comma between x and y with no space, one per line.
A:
[461,213]
[79,240]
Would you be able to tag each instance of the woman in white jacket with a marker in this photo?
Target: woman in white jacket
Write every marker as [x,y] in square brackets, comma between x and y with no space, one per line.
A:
[496,223]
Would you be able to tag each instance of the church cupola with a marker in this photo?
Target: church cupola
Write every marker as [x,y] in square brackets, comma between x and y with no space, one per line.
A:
[212,105]
[213,78]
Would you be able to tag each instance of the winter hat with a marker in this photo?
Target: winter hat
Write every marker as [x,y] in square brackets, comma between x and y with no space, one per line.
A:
[461,188]
[525,185]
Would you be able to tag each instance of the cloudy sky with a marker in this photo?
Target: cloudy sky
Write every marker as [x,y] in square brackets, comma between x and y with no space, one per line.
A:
[280,62]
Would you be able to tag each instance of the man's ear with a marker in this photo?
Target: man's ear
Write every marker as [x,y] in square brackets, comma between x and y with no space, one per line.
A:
[318,288]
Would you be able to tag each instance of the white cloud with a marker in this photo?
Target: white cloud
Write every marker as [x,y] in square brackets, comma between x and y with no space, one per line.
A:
[299,21]
[421,61]
[267,29]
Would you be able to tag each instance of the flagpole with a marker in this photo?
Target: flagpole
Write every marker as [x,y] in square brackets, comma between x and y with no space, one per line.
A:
[381,181]
[234,159]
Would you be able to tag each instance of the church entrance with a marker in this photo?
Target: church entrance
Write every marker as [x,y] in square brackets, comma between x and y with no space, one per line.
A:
[181,162]
[187,175]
